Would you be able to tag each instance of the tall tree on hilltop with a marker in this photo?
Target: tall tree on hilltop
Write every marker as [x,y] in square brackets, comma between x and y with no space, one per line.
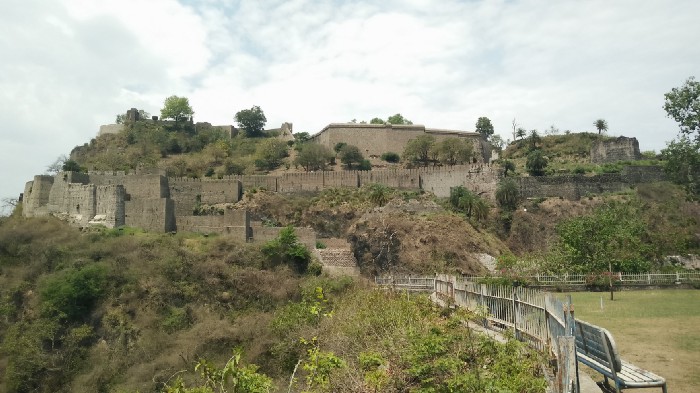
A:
[601,125]
[176,108]
[484,127]
[683,105]
[251,121]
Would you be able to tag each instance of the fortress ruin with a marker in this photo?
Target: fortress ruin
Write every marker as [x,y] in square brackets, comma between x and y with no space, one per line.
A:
[376,139]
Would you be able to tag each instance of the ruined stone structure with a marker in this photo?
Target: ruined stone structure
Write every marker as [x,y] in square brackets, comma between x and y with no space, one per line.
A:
[158,203]
[620,149]
[376,139]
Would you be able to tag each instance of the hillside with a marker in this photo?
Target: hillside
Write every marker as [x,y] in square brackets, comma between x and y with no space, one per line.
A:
[123,310]
[127,310]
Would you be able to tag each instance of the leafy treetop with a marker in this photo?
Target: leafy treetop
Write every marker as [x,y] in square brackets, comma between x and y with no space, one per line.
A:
[252,121]
[176,108]
[398,119]
[683,105]
[484,127]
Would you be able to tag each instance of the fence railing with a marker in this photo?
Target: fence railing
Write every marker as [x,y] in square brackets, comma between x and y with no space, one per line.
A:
[545,280]
[536,317]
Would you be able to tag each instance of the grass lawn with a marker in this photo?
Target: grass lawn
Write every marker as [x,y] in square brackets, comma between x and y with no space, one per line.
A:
[658,330]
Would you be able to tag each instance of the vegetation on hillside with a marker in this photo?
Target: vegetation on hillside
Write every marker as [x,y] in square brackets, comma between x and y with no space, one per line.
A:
[125,310]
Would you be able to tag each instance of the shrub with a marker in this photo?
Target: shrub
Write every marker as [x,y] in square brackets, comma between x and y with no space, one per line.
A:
[286,249]
[391,157]
[72,293]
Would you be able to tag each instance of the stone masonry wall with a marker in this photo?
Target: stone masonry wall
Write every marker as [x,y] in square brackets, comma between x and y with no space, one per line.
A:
[482,180]
[146,186]
[109,202]
[232,222]
[36,195]
[151,214]
[620,149]
[377,139]
[188,193]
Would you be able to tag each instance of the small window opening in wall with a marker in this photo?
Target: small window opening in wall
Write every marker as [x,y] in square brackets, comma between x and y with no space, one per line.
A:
[77,208]
[127,197]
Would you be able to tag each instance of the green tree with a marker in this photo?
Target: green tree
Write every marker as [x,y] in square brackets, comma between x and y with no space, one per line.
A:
[507,194]
[465,201]
[286,249]
[301,137]
[484,127]
[376,120]
[71,166]
[534,139]
[176,108]
[338,147]
[73,292]
[508,166]
[379,194]
[601,125]
[536,163]
[398,119]
[350,154]
[682,164]
[452,151]
[612,239]
[683,105]
[313,156]
[520,133]
[251,121]
[417,150]
[270,153]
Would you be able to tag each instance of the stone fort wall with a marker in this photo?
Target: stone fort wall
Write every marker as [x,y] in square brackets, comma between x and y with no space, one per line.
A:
[157,203]
[377,139]
[620,149]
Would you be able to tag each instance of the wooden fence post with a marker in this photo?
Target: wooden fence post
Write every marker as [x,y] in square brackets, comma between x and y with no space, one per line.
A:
[566,367]
[515,313]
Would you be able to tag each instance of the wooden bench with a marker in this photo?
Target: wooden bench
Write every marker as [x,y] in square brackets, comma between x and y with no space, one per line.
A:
[596,349]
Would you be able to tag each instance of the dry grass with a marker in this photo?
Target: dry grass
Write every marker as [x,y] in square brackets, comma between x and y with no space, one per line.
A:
[656,330]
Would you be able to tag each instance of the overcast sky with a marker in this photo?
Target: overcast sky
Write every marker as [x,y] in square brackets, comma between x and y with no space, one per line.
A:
[69,66]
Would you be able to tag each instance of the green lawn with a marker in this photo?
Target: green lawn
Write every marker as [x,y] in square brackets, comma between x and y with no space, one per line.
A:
[658,330]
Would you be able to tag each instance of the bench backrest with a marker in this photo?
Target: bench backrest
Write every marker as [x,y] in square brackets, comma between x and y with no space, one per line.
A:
[592,341]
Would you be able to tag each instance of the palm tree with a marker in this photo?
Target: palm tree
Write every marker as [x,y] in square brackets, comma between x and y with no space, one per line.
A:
[480,210]
[601,125]
[507,194]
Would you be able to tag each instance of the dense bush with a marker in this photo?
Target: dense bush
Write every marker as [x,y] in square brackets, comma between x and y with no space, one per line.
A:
[391,157]
[72,293]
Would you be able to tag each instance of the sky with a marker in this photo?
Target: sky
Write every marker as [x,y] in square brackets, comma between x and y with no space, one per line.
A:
[69,66]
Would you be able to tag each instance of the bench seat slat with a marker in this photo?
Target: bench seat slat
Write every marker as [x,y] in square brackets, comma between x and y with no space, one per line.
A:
[593,344]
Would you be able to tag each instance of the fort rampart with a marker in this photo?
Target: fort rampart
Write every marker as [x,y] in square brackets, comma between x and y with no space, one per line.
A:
[158,203]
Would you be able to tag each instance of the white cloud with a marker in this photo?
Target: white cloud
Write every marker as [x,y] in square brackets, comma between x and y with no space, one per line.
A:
[71,65]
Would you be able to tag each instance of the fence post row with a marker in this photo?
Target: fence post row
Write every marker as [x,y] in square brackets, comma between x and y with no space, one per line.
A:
[551,328]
